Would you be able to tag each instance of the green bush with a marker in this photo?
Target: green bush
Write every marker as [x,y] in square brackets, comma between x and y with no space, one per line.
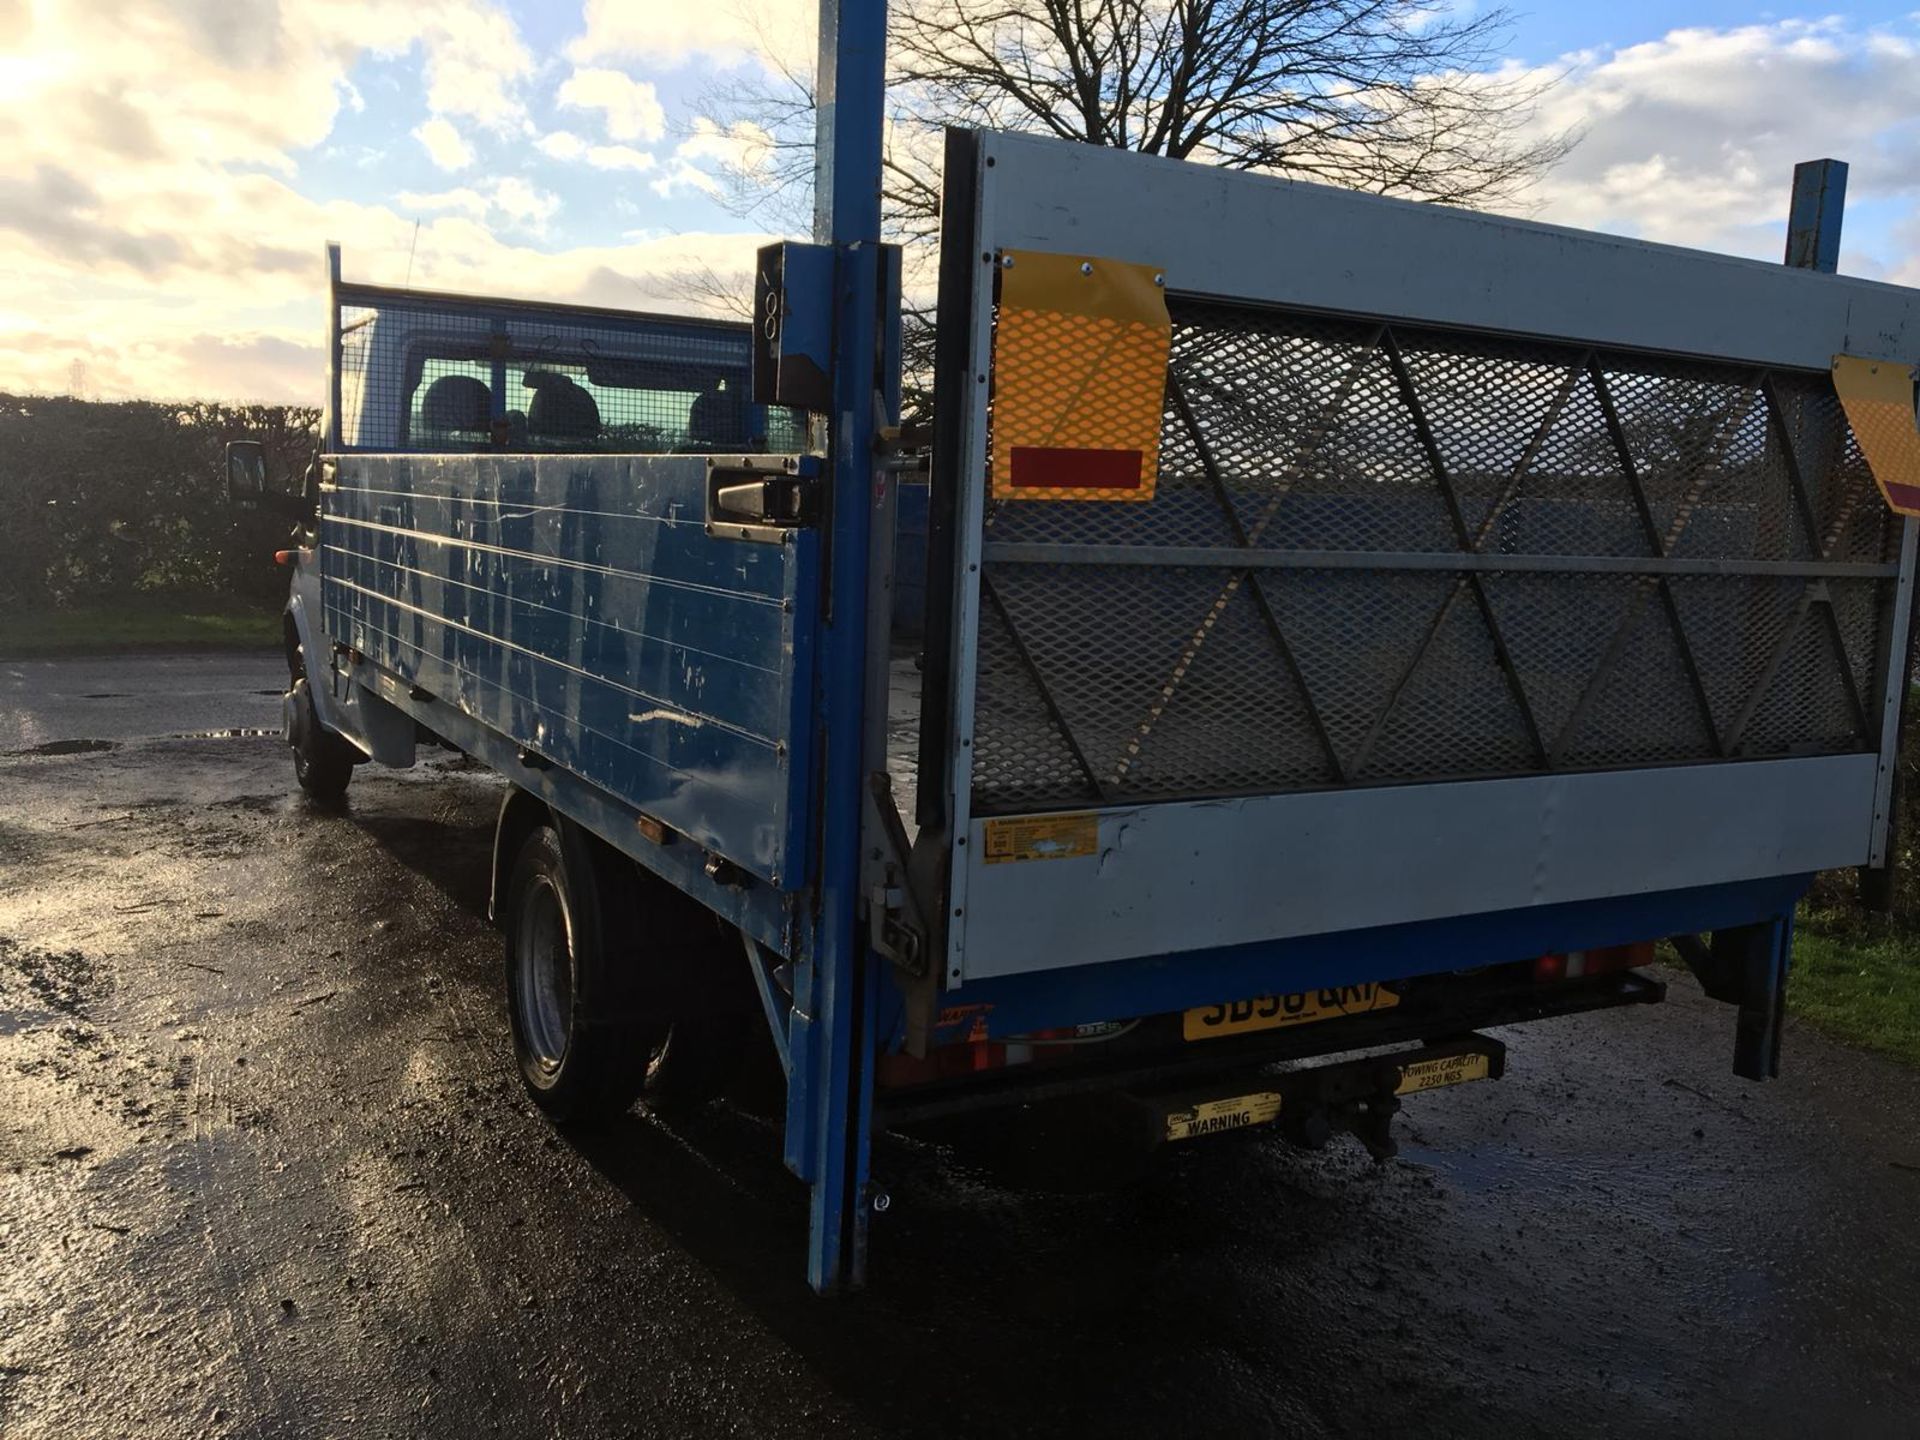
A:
[103,504]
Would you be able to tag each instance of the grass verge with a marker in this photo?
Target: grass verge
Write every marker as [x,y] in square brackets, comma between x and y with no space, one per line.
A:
[103,631]
[1858,980]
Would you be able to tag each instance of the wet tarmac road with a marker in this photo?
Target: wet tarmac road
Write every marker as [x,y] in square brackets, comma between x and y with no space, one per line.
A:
[265,1170]
[119,697]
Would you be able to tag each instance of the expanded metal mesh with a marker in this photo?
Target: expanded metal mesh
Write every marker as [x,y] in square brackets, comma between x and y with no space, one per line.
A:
[1662,562]
[446,373]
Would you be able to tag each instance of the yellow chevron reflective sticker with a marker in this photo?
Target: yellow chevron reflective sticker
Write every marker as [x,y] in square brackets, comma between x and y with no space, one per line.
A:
[1080,348]
[1878,398]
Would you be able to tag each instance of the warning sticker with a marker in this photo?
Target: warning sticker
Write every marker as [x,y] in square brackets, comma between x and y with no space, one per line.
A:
[1042,837]
[1878,398]
[1080,347]
[1210,1117]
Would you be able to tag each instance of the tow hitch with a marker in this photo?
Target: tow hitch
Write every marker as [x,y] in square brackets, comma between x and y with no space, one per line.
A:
[1311,1106]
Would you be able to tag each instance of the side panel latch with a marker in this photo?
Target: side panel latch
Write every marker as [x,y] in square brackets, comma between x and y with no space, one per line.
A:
[761,497]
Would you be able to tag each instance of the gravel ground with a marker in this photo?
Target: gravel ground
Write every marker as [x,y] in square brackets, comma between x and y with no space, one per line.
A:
[265,1169]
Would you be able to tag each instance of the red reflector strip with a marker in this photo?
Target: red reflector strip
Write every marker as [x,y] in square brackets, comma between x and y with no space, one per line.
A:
[1037,467]
[1904,497]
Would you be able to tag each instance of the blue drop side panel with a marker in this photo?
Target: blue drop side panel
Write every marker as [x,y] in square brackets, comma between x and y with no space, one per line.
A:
[576,605]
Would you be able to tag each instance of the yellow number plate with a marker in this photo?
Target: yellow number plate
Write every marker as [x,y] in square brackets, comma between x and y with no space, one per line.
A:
[1270,1012]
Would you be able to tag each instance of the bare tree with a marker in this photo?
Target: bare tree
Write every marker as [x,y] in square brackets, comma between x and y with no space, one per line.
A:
[1397,97]
[725,293]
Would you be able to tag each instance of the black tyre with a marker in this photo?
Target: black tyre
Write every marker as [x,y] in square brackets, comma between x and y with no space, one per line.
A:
[322,761]
[583,1045]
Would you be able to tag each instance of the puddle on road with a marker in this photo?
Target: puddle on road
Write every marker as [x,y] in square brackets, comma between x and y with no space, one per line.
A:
[94,747]
[65,747]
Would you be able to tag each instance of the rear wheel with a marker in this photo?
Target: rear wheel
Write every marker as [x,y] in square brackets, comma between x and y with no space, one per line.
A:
[322,761]
[618,984]
[582,1045]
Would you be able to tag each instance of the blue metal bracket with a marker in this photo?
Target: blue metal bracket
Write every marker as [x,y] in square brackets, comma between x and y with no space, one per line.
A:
[1764,952]
[1746,965]
[793,326]
[1813,222]
[778,1009]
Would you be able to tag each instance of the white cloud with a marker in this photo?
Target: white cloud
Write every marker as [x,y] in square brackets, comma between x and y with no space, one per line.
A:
[561,145]
[1692,138]
[523,204]
[682,178]
[444,143]
[675,31]
[473,60]
[713,157]
[619,157]
[152,223]
[630,108]
[565,145]
[465,200]
[510,200]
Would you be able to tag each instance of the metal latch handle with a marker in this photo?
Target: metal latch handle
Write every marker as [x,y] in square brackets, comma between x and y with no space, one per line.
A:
[761,497]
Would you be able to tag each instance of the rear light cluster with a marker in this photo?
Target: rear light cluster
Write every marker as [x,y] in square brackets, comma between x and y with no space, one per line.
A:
[1578,963]
[977,1053]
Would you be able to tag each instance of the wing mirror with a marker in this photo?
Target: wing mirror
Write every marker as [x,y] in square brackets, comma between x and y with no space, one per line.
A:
[246,471]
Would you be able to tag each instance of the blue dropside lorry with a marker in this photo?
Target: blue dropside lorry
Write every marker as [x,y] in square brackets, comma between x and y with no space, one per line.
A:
[1317,629]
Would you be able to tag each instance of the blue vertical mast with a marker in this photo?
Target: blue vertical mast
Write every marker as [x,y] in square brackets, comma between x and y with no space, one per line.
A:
[831,1095]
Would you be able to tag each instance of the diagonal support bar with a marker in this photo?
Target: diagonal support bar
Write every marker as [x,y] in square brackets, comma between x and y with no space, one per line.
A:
[1669,603]
[1661,545]
[1248,538]
[1268,618]
[991,594]
[1475,585]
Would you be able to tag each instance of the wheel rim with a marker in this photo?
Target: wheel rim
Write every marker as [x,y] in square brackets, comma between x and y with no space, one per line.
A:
[545,952]
[302,721]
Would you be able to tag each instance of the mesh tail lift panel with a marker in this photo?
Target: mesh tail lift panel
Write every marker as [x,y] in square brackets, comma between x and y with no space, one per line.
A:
[1379,553]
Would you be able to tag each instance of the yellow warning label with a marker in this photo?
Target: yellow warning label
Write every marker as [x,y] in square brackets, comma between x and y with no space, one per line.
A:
[1878,398]
[1042,837]
[1447,1070]
[1212,1116]
[1080,347]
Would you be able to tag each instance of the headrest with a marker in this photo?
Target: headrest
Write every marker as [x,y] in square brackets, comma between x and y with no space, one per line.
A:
[561,410]
[457,402]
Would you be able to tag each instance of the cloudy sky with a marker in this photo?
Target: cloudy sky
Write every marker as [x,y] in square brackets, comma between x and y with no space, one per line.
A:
[170,168]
